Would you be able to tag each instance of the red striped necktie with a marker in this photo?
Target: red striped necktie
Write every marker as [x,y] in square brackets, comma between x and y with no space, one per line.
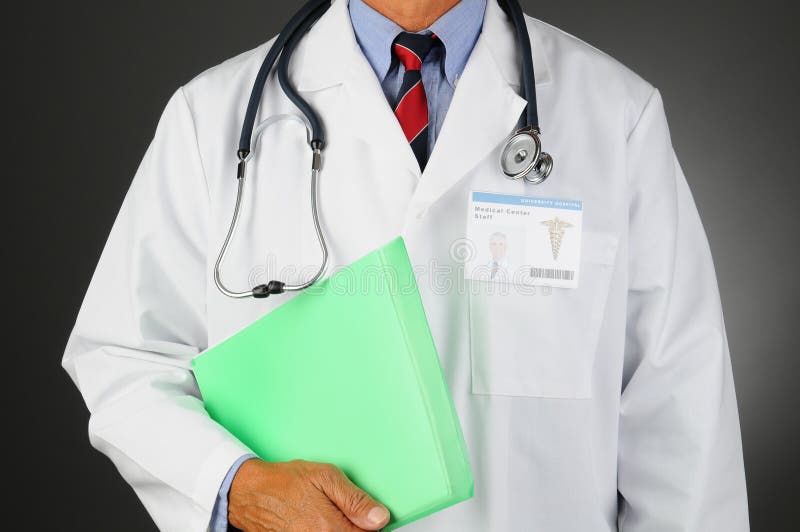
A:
[411,108]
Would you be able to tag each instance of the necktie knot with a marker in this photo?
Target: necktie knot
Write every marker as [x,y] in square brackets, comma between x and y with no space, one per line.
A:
[411,48]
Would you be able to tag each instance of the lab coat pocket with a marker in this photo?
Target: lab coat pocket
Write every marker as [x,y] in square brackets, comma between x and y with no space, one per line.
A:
[539,341]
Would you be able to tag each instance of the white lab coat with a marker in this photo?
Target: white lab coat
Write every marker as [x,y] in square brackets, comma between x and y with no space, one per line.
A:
[607,407]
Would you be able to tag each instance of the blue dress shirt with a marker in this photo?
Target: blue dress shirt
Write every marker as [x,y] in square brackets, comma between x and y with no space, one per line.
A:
[458,29]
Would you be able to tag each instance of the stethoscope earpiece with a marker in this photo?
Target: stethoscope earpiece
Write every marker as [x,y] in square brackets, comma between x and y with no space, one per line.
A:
[522,157]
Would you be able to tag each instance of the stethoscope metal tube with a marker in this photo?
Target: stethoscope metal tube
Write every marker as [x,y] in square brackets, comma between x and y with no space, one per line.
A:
[521,157]
[273,287]
[231,231]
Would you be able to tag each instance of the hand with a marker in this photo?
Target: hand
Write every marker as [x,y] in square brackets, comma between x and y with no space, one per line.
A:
[300,496]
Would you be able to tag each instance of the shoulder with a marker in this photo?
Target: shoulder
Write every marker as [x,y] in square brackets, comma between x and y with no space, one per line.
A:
[576,65]
[217,97]
[230,72]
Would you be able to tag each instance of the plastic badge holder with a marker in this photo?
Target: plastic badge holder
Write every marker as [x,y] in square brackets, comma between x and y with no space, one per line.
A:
[348,373]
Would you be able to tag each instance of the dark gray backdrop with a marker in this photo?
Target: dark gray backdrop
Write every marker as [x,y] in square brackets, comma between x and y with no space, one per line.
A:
[93,77]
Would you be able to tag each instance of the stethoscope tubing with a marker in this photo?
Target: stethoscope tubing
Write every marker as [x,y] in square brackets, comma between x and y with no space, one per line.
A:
[517,17]
[302,16]
[281,51]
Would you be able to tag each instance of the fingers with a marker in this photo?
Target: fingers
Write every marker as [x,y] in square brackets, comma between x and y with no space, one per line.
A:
[355,504]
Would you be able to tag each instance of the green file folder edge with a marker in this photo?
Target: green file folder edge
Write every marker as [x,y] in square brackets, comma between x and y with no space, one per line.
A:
[228,373]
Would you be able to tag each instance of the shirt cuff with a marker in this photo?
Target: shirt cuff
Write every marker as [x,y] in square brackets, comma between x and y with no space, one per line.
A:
[219,516]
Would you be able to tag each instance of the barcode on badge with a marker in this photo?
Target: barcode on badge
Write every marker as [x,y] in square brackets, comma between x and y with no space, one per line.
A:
[552,273]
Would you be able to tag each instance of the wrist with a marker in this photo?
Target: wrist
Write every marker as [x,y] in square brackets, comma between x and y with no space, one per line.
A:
[248,474]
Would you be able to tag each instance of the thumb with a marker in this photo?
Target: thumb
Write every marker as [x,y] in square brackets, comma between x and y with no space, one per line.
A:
[355,504]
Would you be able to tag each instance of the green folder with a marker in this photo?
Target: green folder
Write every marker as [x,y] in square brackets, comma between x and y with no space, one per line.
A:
[348,373]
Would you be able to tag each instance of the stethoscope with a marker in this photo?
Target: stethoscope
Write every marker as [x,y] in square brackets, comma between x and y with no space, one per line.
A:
[521,157]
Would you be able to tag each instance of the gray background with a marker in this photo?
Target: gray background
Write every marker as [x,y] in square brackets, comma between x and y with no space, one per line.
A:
[91,79]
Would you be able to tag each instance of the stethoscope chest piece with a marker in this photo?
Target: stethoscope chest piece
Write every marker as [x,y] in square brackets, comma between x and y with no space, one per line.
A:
[522,157]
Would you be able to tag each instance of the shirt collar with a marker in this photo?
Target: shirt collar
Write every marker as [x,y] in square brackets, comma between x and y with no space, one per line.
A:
[458,29]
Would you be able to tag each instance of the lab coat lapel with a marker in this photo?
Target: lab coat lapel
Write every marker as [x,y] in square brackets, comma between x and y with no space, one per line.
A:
[484,111]
[331,56]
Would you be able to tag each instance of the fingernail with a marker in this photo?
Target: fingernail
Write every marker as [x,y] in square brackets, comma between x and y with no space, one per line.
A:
[377,515]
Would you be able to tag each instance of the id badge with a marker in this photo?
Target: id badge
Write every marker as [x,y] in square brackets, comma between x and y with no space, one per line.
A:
[524,240]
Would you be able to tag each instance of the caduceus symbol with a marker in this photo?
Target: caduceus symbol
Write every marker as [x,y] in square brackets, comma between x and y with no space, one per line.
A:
[556,228]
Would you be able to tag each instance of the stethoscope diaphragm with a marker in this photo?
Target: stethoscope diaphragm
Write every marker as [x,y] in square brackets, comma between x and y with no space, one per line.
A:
[522,157]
